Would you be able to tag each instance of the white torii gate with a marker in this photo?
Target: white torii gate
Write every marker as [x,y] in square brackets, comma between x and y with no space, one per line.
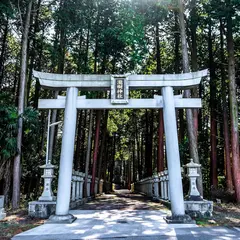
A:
[119,86]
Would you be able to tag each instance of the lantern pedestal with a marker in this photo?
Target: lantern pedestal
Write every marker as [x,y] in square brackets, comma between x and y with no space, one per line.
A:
[200,209]
[41,209]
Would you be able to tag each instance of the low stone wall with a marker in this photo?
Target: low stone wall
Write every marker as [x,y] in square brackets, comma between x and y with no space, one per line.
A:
[43,209]
[157,187]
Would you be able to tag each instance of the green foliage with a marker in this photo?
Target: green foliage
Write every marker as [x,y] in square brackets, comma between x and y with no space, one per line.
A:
[184,151]
[8,128]
[117,120]
[133,35]
[6,9]
[31,123]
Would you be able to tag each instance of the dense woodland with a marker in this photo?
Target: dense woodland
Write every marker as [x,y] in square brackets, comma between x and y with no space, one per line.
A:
[112,37]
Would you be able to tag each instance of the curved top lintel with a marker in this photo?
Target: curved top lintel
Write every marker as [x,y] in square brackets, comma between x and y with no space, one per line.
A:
[96,81]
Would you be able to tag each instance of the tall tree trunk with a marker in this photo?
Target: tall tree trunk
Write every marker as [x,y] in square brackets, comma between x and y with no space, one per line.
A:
[89,144]
[87,47]
[17,158]
[96,42]
[103,144]
[148,146]
[15,89]
[160,156]
[95,153]
[79,61]
[193,26]
[233,107]
[129,174]
[32,54]
[228,165]
[82,145]
[7,181]
[142,156]
[151,144]
[79,139]
[52,130]
[3,50]
[138,154]
[37,86]
[133,160]
[177,70]
[160,162]
[177,44]
[41,145]
[213,106]
[112,161]
[106,158]
[60,69]
[158,53]
[190,123]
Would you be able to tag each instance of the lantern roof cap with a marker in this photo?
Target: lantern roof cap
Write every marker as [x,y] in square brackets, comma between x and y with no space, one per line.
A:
[192,164]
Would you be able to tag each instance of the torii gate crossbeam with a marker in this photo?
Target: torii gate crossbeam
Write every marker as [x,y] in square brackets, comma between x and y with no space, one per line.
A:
[155,103]
[119,86]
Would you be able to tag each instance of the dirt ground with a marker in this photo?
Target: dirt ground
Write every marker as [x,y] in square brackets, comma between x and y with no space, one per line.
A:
[17,222]
[224,215]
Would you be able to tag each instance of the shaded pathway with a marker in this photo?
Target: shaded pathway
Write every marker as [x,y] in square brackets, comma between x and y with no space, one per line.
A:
[122,200]
[124,216]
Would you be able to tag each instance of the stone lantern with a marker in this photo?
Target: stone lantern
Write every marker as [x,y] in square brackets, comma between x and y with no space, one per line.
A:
[195,205]
[192,173]
[48,175]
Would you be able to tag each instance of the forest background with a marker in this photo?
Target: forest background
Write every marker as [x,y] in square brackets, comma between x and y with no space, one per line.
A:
[112,37]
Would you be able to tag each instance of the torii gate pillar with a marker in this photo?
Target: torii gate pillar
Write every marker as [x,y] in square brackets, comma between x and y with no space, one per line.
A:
[173,159]
[66,160]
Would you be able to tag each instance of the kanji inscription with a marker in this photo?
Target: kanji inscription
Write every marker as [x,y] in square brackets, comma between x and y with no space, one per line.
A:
[119,88]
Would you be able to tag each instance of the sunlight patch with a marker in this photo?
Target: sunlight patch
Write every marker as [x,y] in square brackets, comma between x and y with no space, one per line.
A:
[98,227]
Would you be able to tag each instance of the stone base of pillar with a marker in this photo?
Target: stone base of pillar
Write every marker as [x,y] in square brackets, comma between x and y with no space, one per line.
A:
[181,219]
[69,218]
[41,209]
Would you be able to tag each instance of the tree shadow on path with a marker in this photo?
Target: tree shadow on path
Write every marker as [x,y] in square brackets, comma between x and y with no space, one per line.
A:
[122,200]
